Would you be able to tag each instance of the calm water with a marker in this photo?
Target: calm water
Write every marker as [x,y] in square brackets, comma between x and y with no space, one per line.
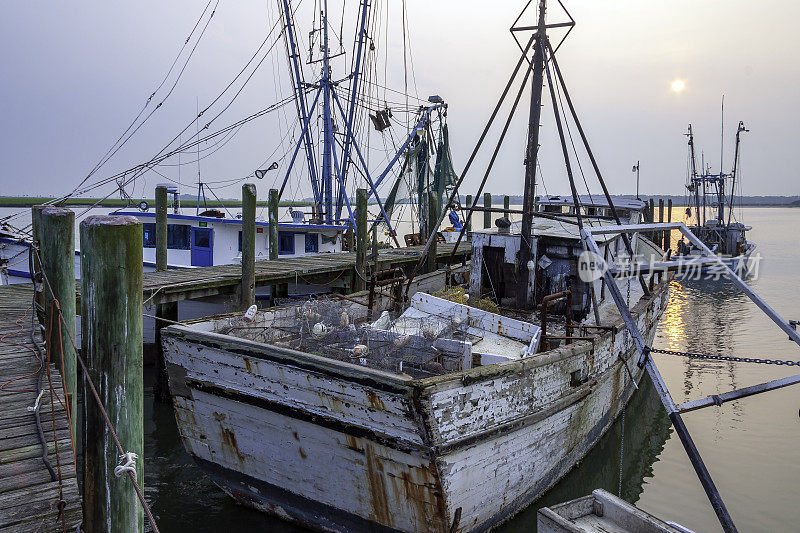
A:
[750,446]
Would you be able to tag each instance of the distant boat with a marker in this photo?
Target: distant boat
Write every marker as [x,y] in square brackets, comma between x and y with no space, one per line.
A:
[710,211]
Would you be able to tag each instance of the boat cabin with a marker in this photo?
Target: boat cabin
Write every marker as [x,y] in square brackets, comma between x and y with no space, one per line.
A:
[556,247]
[592,206]
[208,239]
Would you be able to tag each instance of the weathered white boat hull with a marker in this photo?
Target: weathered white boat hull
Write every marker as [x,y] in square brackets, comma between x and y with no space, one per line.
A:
[341,447]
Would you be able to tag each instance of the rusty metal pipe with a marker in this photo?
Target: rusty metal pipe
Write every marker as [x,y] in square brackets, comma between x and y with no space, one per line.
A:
[546,301]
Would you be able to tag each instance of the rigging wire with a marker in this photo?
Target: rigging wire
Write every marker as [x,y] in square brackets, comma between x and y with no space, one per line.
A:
[111,151]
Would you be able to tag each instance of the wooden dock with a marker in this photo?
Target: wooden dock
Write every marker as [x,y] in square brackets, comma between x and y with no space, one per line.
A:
[320,269]
[29,498]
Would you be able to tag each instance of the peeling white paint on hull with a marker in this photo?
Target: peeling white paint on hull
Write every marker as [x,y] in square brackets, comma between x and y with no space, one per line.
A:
[340,447]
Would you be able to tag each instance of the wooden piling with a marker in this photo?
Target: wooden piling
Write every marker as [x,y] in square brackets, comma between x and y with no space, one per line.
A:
[161,227]
[163,311]
[507,207]
[247,290]
[469,222]
[111,327]
[652,234]
[56,234]
[433,218]
[273,223]
[361,240]
[487,216]
[668,233]
[661,234]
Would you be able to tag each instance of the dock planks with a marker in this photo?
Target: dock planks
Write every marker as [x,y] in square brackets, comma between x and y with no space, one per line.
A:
[28,496]
[319,269]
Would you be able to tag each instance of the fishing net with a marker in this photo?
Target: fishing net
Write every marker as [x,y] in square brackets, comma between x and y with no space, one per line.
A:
[341,330]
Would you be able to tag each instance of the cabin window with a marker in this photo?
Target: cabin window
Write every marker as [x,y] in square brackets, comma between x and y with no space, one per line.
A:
[178,237]
[312,242]
[149,234]
[240,241]
[285,243]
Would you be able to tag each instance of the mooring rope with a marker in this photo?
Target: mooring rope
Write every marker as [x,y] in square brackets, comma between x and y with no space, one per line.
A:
[103,412]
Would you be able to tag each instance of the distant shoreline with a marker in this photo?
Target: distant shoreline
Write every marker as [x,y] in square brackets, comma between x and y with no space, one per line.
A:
[30,201]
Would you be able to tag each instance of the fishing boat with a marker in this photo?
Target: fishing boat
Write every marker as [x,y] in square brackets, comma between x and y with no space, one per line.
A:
[429,402]
[330,153]
[710,212]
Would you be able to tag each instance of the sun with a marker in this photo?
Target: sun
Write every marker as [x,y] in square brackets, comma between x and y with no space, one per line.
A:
[678,86]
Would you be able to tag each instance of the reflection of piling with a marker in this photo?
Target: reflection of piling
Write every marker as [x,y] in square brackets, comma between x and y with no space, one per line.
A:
[166,312]
[111,326]
[487,215]
[359,283]
[57,251]
[247,290]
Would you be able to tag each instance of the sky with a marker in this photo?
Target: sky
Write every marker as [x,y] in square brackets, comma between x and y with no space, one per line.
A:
[75,74]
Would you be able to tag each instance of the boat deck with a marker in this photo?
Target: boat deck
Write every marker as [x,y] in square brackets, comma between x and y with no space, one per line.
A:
[29,497]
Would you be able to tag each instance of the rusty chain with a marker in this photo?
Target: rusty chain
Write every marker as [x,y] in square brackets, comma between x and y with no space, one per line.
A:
[726,357]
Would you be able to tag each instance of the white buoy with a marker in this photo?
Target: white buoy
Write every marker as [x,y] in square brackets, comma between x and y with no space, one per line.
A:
[250,314]
[319,329]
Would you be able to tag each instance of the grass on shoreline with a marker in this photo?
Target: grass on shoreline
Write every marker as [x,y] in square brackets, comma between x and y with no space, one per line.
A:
[30,201]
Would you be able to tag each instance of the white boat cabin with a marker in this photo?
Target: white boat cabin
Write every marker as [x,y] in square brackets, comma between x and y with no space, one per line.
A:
[210,239]
[595,205]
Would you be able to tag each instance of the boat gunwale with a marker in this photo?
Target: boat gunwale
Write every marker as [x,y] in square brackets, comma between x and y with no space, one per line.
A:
[391,382]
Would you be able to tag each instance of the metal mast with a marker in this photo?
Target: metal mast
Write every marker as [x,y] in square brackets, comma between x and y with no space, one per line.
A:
[327,124]
[531,155]
[739,131]
[302,106]
[354,88]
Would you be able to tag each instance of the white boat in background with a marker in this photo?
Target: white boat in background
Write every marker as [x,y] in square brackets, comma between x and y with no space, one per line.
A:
[207,239]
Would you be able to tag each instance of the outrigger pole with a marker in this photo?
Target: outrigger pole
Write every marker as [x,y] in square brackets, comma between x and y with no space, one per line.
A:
[336,162]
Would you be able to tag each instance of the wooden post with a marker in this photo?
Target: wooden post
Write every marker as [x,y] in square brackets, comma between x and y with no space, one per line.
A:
[660,220]
[487,216]
[506,207]
[361,240]
[469,204]
[111,327]
[374,248]
[57,249]
[652,234]
[272,210]
[247,290]
[36,265]
[273,224]
[161,228]
[668,233]
[433,218]
[167,311]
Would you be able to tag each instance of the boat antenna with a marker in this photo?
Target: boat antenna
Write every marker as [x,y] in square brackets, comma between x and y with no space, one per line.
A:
[721,135]
[199,183]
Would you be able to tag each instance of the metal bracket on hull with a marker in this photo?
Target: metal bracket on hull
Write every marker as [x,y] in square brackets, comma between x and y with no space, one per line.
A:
[674,411]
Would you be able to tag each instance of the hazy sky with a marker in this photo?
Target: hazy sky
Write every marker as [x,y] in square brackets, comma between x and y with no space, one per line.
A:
[74,75]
